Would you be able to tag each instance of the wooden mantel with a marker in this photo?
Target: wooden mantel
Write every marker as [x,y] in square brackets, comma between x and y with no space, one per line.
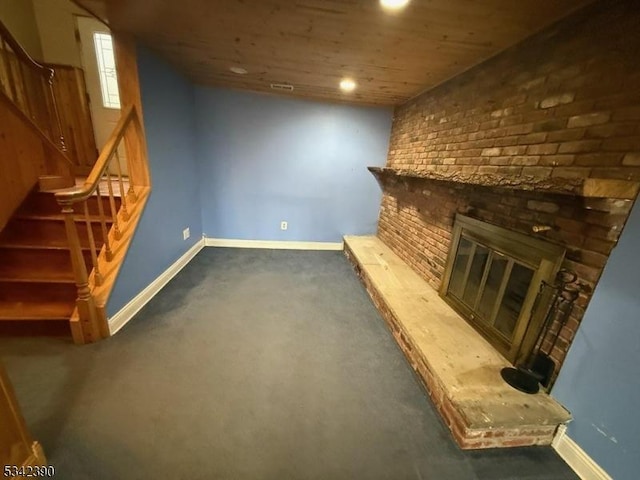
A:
[579,187]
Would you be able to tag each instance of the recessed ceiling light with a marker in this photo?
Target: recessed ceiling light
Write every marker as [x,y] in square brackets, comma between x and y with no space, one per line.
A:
[394,4]
[347,85]
[239,70]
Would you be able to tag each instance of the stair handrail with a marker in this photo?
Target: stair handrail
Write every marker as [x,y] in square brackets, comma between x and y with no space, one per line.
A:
[77,194]
[48,74]
[106,171]
[21,52]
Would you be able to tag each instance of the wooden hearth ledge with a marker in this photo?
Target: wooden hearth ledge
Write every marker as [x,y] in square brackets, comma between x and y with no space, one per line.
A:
[580,187]
[460,369]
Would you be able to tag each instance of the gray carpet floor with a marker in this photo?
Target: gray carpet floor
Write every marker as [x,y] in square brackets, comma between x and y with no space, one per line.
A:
[250,364]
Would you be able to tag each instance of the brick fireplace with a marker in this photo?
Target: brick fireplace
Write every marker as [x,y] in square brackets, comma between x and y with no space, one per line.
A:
[545,134]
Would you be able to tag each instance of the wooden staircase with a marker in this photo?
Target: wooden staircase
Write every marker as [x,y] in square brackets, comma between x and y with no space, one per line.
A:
[61,250]
[37,283]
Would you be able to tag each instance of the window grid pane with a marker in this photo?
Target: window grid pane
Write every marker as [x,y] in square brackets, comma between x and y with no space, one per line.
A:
[107,70]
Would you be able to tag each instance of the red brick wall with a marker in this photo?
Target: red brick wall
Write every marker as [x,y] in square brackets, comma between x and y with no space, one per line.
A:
[563,103]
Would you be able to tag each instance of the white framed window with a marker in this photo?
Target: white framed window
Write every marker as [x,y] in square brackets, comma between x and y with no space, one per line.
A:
[107,70]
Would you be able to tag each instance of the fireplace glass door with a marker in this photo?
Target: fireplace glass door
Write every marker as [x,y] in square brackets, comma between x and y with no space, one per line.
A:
[493,282]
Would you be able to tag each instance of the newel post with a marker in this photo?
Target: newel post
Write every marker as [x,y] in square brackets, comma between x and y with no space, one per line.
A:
[89,323]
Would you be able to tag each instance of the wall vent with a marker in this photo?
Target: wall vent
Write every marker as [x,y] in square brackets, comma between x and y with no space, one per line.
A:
[283,87]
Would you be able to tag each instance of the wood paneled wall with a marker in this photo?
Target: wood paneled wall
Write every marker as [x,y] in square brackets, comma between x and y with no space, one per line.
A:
[70,90]
[28,89]
[22,160]
[30,92]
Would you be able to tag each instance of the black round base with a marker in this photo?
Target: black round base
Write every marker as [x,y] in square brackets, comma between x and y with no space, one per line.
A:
[520,380]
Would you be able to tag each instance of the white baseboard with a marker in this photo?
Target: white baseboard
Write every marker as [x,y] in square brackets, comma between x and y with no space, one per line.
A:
[120,319]
[277,245]
[127,312]
[581,463]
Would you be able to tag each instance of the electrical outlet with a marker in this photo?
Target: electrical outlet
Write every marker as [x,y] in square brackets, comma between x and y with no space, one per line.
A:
[186,233]
[284,225]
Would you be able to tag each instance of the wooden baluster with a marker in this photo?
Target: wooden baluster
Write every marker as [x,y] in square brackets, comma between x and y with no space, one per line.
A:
[3,67]
[123,195]
[42,106]
[4,62]
[56,113]
[97,276]
[4,76]
[29,107]
[103,224]
[114,213]
[45,108]
[21,96]
[85,302]
[7,53]
[131,193]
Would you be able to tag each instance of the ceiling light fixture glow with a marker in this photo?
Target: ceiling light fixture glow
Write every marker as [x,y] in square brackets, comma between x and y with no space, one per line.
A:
[347,85]
[239,70]
[394,4]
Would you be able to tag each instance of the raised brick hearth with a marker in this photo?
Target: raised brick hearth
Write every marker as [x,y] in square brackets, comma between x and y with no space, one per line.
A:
[460,370]
[533,137]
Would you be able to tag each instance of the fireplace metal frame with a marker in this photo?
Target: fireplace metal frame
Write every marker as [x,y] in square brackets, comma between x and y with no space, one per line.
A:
[541,256]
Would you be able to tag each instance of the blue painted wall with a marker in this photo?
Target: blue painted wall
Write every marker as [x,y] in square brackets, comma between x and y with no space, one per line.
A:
[168,105]
[599,381]
[264,159]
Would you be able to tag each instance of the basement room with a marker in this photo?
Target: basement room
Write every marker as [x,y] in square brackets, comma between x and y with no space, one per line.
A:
[321,239]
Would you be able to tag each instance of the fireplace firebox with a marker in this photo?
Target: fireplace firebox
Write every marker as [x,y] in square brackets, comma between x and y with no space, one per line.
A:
[493,278]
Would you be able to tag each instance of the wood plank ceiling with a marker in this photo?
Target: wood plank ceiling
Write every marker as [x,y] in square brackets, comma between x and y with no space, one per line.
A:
[313,44]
